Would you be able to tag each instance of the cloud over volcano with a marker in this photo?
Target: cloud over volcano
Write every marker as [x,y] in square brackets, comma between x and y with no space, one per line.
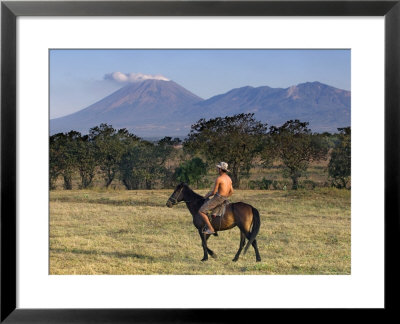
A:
[133,77]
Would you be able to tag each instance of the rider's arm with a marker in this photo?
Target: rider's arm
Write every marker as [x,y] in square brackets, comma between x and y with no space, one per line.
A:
[230,191]
[208,194]
[214,191]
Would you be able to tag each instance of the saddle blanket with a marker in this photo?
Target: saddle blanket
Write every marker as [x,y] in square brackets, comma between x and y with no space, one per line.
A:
[219,210]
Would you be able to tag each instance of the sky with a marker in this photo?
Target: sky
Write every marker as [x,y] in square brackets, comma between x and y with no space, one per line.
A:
[79,78]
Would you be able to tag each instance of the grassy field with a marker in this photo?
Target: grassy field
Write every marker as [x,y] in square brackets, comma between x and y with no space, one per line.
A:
[133,232]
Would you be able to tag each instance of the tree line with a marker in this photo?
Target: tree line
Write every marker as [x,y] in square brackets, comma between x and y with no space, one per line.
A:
[239,140]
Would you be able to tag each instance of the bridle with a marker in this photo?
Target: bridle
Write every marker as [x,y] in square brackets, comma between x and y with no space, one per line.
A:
[174,201]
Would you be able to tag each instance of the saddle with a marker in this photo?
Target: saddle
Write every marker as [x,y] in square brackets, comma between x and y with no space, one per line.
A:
[219,211]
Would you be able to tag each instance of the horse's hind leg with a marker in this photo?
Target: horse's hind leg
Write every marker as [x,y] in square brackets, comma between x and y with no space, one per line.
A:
[241,245]
[254,244]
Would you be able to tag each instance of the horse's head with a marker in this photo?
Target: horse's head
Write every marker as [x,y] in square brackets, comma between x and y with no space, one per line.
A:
[177,195]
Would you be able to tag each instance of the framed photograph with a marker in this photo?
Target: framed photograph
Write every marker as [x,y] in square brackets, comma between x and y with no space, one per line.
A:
[59,57]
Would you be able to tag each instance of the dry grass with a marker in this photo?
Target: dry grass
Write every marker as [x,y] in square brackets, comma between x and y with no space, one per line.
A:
[133,232]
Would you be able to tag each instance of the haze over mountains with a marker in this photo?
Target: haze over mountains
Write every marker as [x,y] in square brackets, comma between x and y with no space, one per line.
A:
[158,108]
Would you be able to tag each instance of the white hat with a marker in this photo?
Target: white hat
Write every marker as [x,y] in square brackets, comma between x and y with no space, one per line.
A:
[223,166]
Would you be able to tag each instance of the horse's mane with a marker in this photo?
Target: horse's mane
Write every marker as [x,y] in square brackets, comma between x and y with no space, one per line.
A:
[194,195]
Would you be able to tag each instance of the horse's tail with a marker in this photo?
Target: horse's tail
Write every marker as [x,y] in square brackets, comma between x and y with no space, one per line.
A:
[254,230]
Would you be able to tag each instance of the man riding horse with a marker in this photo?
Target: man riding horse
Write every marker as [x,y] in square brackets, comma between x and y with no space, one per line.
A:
[239,214]
[222,191]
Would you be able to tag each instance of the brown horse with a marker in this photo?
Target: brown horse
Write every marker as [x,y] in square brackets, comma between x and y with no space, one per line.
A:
[245,216]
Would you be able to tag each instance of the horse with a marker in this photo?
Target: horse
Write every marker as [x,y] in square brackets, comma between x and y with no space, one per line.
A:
[240,214]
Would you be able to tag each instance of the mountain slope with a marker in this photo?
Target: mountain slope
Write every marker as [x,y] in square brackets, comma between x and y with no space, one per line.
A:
[156,108]
[150,104]
[325,107]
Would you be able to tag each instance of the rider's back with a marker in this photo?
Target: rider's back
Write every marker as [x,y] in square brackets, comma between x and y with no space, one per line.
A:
[225,185]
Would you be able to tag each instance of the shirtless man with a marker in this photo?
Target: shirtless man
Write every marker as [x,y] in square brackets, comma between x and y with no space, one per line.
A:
[222,190]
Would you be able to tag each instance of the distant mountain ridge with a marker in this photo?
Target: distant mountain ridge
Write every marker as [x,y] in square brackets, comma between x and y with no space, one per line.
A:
[325,107]
[157,108]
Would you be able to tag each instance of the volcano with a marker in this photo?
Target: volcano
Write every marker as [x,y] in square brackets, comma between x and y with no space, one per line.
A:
[158,108]
[147,108]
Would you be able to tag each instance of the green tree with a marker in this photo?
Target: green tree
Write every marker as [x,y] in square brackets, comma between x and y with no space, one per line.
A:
[110,145]
[55,154]
[169,141]
[235,140]
[296,147]
[142,165]
[164,148]
[167,149]
[191,172]
[63,157]
[339,166]
[85,160]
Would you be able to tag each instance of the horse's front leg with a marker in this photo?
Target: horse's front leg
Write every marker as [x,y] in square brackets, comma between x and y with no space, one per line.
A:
[207,251]
[210,252]
[199,224]
[204,245]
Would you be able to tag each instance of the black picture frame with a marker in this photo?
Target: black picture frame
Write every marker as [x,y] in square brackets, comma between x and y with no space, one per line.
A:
[10,10]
